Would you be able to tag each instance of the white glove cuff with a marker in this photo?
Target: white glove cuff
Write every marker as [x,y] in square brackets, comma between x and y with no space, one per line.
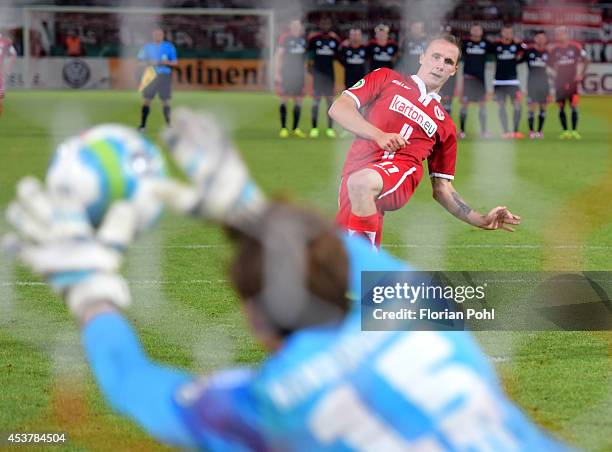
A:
[101,287]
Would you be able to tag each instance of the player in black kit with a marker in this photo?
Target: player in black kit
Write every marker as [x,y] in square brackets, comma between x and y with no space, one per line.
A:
[448,89]
[289,76]
[474,51]
[323,47]
[382,52]
[412,49]
[353,56]
[506,84]
[538,88]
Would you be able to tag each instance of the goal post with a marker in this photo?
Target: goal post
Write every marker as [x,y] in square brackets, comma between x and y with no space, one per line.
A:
[200,34]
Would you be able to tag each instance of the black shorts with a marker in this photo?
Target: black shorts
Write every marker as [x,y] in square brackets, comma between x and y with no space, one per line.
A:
[473,89]
[323,85]
[292,84]
[162,86]
[501,92]
[537,91]
[566,91]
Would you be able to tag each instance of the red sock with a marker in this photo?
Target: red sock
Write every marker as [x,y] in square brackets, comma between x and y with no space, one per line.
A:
[364,226]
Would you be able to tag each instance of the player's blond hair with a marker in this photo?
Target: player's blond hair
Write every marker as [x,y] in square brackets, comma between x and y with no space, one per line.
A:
[448,38]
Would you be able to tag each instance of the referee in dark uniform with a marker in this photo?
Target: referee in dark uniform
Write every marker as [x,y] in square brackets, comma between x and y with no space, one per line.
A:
[161,56]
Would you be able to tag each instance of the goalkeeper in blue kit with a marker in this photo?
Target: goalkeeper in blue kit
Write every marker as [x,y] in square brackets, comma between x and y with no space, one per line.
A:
[326,384]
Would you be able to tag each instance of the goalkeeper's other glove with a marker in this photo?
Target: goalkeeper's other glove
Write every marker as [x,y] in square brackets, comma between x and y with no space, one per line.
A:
[222,187]
[54,237]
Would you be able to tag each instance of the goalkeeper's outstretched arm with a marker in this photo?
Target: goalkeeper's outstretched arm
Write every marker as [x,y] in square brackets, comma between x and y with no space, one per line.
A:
[53,236]
[134,385]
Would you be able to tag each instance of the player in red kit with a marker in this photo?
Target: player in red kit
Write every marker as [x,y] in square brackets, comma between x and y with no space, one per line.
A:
[7,51]
[402,124]
[565,56]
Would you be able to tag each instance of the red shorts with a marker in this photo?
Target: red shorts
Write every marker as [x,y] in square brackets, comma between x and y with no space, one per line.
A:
[400,180]
[567,92]
[1,85]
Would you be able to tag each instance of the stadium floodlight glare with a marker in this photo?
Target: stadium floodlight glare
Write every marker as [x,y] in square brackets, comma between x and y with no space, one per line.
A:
[262,26]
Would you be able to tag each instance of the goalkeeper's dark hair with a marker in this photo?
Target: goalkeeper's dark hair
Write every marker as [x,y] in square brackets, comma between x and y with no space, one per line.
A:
[293,264]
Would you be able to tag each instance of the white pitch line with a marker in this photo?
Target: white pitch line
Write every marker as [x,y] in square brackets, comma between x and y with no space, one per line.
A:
[184,247]
[155,282]
[406,245]
[500,359]
[145,282]
[21,283]
[505,246]
[135,282]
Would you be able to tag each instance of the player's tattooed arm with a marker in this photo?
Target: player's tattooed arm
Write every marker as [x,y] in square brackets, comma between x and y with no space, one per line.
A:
[498,218]
[447,196]
[463,210]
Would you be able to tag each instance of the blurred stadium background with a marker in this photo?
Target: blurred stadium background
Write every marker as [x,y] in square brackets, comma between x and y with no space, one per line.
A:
[183,307]
[228,44]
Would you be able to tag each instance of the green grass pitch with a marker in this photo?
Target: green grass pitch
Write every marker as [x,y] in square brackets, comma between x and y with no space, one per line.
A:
[188,316]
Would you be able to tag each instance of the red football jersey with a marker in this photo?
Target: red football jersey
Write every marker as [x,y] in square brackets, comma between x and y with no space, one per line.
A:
[565,60]
[401,105]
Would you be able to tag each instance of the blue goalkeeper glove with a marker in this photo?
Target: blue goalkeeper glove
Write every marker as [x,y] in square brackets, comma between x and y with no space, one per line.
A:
[222,187]
[53,236]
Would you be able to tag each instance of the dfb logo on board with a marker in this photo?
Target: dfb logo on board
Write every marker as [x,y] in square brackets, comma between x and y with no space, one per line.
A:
[76,73]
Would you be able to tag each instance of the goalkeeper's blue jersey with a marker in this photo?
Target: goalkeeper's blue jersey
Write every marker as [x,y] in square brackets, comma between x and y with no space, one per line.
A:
[336,388]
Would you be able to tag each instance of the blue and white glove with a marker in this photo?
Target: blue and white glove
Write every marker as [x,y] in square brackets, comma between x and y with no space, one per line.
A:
[53,236]
[222,186]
